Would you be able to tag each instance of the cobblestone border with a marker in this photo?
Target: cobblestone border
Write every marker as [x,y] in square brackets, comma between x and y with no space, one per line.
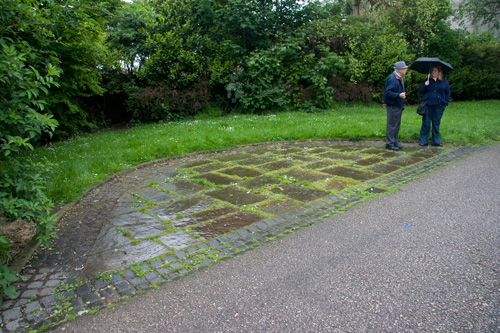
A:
[64,298]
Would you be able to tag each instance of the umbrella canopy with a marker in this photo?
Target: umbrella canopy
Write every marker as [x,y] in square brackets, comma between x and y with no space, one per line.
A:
[424,65]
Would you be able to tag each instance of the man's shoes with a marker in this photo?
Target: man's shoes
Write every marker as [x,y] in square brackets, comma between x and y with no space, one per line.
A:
[437,145]
[423,144]
[391,147]
[400,146]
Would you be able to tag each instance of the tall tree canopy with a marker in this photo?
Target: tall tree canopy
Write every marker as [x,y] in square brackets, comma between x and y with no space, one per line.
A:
[479,12]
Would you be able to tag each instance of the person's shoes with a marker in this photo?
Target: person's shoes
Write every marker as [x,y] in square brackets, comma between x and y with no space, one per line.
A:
[400,146]
[391,147]
[423,144]
[437,145]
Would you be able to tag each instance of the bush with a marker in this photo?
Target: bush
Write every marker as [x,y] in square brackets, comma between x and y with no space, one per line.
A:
[168,104]
[22,123]
[477,77]
[347,91]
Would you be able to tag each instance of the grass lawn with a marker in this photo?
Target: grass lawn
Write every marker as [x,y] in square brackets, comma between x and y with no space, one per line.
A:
[91,158]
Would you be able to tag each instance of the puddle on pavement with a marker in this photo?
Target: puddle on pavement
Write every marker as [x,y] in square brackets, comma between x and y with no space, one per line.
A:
[236,196]
[300,193]
[204,216]
[303,175]
[226,224]
[351,173]
[242,172]
[278,207]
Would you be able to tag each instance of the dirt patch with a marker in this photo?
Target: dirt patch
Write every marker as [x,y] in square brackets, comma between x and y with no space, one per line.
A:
[18,232]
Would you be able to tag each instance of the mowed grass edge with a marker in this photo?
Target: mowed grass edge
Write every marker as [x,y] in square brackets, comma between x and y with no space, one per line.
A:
[89,159]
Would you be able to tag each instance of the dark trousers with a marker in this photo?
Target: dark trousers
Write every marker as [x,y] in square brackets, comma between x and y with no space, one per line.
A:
[393,125]
[433,114]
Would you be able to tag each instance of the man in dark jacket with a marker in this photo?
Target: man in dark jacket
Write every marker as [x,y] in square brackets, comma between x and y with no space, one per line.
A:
[394,98]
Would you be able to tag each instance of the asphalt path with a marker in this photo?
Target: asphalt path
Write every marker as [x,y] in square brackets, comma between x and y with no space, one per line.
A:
[424,258]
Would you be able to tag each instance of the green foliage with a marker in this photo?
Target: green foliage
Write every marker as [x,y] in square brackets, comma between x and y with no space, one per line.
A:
[180,44]
[22,196]
[88,160]
[372,50]
[126,34]
[259,24]
[78,28]
[479,12]
[418,19]
[477,77]
[7,276]
[260,84]
[447,44]
[169,104]
[26,75]
[22,89]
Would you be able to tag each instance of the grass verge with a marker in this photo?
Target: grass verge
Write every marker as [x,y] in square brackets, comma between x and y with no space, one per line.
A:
[89,159]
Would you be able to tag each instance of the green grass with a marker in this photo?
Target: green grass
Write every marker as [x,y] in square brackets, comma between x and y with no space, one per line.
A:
[89,159]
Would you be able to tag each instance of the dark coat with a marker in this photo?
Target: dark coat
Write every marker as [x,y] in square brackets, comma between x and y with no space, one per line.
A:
[393,87]
[436,93]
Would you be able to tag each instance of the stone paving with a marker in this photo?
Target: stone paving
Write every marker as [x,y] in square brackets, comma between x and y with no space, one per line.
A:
[162,220]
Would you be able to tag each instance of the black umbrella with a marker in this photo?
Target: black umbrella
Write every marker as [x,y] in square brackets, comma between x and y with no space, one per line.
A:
[424,65]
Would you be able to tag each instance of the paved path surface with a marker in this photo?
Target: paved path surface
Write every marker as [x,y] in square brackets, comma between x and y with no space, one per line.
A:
[425,257]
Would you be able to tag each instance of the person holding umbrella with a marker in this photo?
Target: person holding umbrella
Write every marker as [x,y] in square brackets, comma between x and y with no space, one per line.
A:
[436,90]
[394,98]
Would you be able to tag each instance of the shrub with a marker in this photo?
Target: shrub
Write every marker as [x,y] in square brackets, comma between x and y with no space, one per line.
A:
[477,77]
[347,91]
[166,103]
[22,123]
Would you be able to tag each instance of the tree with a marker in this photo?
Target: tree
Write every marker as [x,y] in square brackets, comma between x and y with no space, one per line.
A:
[479,12]
[180,48]
[126,34]
[78,29]
[418,20]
